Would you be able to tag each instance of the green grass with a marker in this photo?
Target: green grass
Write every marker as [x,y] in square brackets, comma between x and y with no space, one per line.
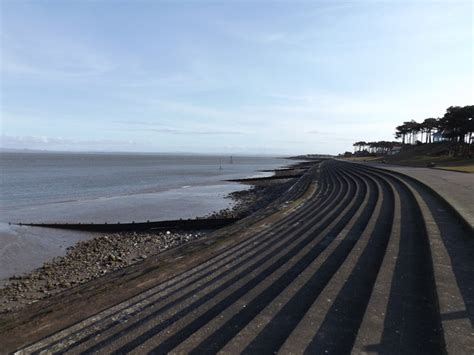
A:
[463,168]
[423,156]
[424,160]
[436,153]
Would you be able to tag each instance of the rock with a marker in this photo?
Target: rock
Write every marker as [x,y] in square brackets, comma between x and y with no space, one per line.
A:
[88,260]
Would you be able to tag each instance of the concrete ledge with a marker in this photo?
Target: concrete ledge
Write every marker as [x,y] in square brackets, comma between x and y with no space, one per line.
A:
[466,218]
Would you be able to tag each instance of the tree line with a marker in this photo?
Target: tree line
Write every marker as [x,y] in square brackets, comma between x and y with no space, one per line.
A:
[380,147]
[456,126]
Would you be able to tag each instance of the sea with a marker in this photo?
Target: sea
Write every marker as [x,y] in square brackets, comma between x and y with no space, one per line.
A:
[107,187]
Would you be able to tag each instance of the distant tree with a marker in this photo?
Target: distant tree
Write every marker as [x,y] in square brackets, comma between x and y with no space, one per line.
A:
[401,132]
[415,128]
[469,123]
[358,146]
[457,126]
[429,125]
[410,129]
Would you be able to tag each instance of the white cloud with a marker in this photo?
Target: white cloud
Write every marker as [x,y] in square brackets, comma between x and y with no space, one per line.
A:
[51,57]
[158,128]
[59,143]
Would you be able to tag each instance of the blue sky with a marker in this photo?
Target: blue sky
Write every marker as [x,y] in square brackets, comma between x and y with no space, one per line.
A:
[228,76]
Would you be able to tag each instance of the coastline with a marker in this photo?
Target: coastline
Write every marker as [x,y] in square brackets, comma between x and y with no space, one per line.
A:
[100,188]
[103,253]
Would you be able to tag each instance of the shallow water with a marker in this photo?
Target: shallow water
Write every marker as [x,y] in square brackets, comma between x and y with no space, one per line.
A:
[42,178]
[23,248]
[57,187]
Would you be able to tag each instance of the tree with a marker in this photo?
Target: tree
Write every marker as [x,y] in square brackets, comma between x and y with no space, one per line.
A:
[429,125]
[358,145]
[457,125]
[401,132]
[412,128]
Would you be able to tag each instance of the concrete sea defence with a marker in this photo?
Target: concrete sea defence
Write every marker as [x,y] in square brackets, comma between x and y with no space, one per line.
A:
[118,245]
[368,261]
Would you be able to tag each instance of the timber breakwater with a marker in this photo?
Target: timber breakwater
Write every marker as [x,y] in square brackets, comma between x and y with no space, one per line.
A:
[183,225]
[351,259]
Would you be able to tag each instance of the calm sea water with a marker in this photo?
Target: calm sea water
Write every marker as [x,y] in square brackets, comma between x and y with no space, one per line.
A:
[60,187]
[36,178]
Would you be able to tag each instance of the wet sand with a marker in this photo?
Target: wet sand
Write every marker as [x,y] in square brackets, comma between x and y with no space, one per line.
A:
[23,249]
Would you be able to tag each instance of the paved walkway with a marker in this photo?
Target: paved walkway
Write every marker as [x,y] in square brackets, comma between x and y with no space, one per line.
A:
[455,187]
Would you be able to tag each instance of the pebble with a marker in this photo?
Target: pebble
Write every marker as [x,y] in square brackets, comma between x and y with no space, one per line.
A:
[85,261]
[94,258]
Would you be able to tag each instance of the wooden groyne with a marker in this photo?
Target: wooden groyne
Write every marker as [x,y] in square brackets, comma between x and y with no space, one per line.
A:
[182,224]
[267,178]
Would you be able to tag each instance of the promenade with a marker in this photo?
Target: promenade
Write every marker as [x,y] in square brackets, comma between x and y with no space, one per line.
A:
[456,188]
[366,262]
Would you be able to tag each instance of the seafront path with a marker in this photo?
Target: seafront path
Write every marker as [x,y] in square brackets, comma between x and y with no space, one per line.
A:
[352,259]
[457,188]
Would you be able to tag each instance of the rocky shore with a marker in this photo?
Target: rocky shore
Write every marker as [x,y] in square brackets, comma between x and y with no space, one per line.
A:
[109,252]
[249,201]
[85,261]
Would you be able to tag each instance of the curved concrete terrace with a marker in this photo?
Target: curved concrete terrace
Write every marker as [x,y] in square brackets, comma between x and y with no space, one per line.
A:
[457,188]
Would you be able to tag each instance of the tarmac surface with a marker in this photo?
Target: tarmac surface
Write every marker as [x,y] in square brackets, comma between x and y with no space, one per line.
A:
[358,260]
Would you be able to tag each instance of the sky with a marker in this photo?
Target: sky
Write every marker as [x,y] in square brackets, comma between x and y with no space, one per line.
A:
[238,77]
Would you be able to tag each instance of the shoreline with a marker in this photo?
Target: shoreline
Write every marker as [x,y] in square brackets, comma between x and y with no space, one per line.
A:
[198,188]
[336,205]
[107,252]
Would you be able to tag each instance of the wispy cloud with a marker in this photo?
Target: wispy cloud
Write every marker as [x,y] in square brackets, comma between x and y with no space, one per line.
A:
[332,136]
[51,57]
[43,142]
[193,132]
[158,128]
[310,75]
[293,26]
